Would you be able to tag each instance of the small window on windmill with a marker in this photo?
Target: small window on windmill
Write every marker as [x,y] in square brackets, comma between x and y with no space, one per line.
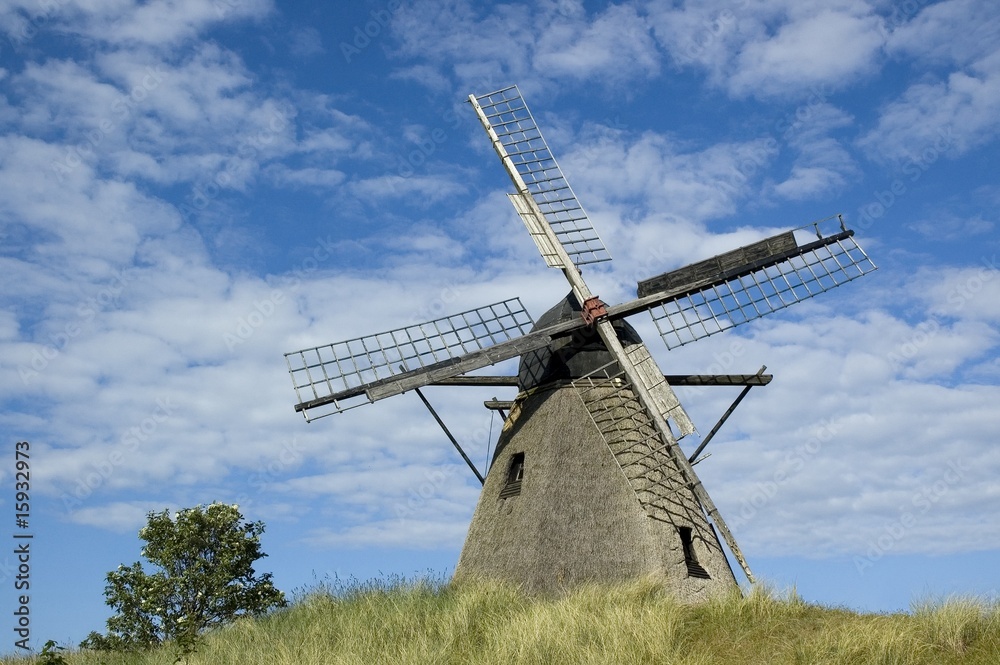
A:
[694,568]
[515,473]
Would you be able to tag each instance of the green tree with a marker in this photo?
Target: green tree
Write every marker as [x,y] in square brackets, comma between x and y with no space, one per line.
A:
[205,578]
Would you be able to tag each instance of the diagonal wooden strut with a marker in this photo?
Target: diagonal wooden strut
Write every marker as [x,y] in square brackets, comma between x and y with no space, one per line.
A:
[482,481]
[725,417]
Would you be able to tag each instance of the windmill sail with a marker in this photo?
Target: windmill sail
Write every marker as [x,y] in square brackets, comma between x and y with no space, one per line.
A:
[347,374]
[663,396]
[724,291]
[538,178]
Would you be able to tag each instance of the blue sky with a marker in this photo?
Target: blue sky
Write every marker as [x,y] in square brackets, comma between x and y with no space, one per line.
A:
[192,188]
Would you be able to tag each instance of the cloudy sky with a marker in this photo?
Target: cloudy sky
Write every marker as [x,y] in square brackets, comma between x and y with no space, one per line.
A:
[191,188]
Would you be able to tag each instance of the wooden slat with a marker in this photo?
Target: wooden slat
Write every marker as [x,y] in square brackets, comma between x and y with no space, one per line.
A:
[665,399]
[672,379]
[729,263]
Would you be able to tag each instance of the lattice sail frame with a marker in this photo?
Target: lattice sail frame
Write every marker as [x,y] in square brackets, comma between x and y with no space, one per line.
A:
[326,370]
[505,115]
[719,307]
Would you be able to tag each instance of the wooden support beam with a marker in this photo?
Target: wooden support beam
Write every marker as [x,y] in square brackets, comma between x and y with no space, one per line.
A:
[725,417]
[482,481]
[672,379]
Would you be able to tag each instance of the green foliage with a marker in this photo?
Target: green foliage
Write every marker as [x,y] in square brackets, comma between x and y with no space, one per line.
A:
[203,578]
[50,654]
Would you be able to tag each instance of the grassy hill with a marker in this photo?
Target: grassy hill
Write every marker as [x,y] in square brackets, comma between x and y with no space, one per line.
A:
[635,623]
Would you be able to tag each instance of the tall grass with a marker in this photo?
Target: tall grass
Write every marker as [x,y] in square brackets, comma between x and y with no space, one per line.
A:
[428,621]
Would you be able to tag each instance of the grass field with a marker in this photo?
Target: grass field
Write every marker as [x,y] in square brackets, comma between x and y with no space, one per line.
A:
[431,622]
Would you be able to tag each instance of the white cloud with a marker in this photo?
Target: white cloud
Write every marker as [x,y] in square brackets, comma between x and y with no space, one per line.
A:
[842,442]
[777,48]
[956,32]
[422,189]
[283,176]
[939,118]
[413,534]
[951,110]
[161,23]
[534,46]
[306,42]
[969,293]
[946,226]
[823,164]
[831,47]
[118,516]
[488,48]
[667,176]
[91,227]
[615,46]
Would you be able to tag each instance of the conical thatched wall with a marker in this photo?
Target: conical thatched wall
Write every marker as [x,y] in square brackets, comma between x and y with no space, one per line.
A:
[558,509]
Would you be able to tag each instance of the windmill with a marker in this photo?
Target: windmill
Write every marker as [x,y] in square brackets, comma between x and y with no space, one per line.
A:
[588,481]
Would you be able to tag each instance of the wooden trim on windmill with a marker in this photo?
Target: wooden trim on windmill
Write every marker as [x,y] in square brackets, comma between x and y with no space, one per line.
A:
[484,381]
[664,399]
[721,267]
[515,475]
[694,568]
[733,265]
[522,205]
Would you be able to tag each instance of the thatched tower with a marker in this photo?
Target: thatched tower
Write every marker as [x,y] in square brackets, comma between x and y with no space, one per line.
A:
[563,506]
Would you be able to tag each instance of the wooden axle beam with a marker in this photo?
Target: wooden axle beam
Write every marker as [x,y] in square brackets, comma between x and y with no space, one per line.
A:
[672,379]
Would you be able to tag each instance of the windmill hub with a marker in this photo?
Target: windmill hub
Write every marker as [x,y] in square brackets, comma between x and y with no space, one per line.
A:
[573,356]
